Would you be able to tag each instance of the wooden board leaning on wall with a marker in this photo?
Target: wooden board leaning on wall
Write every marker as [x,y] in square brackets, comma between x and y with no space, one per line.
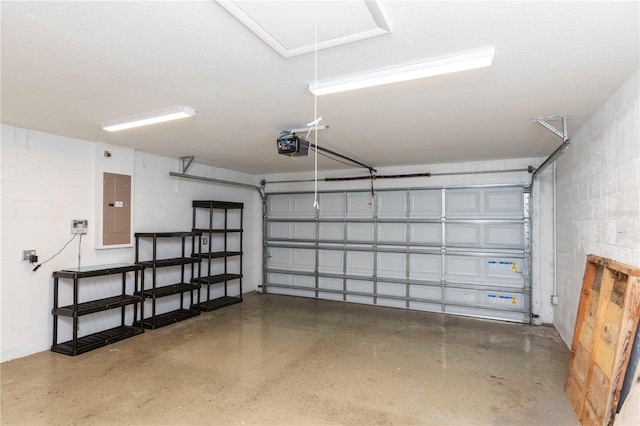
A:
[605,328]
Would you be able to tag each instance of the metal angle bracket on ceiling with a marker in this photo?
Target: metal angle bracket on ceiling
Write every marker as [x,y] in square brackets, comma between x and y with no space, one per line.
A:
[186,162]
[306,129]
[544,121]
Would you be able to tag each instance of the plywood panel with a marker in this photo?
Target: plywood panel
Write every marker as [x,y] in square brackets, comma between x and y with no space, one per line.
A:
[605,327]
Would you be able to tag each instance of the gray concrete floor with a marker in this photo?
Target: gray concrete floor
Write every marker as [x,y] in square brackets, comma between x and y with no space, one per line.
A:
[284,360]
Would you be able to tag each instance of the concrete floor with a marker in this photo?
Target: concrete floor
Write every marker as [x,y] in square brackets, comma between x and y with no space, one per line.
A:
[284,360]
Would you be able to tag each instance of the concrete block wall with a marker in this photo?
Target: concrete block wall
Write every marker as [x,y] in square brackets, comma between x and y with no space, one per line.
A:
[47,180]
[598,196]
[598,210]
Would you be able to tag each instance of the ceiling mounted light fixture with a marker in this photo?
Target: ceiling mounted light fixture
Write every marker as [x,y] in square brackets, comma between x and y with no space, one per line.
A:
[451,64]
[168,114]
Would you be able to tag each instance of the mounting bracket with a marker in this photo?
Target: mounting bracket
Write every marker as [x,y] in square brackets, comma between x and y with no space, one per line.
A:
[561,149]
[186,162]
[544,121]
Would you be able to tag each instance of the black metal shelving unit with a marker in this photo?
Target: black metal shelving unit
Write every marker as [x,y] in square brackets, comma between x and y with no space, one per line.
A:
[158,291]
[78,345]
[216,260]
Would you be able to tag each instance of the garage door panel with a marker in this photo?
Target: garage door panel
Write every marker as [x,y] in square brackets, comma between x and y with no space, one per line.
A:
[278,230]
[503,202]
[359,231]
[360,299]
[423,306]
[463,203]
[392,232]
[507,235]
[392,289]
[463,234]
[426,233]
[331,205]
[504,234]
[391,303]
[330,296]
[284,230]
[462,268]
[359,205]
[392,204]
[360,263]
[331,231]
[292,259]
[504,300]
[426,267]
[425,292]
[426,203]
[292,280]
[292,292]
[504,269]
[279,206]
[392,265]
[358,286]
[305,230]
[293,205]
[487,203]
[331,261]
[330,283]
[481,270]
[455,250]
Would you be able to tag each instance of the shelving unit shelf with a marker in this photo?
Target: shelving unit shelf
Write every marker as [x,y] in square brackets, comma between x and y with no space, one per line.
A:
[184,286]
[78,345]
[217,259]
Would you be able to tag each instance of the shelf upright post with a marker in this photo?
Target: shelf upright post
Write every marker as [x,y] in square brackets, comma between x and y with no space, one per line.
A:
[74,344]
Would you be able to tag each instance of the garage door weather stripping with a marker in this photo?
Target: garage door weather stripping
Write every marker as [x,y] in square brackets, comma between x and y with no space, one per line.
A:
[468,61]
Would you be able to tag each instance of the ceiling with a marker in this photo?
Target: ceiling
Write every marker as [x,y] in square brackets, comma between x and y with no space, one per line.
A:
[69,66]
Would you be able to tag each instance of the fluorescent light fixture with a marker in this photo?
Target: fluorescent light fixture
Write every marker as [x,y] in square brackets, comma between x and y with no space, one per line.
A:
[150,118]
[467,61]
[307,129]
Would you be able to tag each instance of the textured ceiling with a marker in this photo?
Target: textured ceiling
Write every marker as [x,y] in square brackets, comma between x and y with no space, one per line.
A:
[69,66]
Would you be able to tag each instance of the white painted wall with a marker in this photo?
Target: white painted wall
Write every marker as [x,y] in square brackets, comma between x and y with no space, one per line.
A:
[47,180]
[599,203]
[542,279]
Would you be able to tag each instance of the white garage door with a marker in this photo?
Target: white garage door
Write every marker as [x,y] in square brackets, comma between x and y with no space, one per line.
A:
[462,250]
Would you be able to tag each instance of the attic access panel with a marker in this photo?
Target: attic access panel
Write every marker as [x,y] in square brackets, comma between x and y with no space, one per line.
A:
[289,27]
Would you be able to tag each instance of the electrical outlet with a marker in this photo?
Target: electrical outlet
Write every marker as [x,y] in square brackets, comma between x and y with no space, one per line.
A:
[79,226]
[554,300]
[29,255]
[205,241]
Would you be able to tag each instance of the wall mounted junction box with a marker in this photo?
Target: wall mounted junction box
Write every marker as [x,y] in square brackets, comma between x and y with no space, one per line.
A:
[29,255]
[79,226]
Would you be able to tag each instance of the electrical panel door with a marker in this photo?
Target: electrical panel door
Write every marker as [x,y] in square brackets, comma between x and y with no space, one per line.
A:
[116,226]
